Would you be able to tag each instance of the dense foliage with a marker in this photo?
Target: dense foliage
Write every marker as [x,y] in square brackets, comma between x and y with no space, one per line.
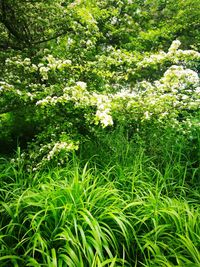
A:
[91,72]
[116,84]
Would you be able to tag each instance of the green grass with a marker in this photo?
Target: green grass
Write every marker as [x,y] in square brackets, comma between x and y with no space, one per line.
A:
[120,207]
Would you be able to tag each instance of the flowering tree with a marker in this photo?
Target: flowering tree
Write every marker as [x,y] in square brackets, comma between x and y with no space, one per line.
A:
[66,111]
[80,70]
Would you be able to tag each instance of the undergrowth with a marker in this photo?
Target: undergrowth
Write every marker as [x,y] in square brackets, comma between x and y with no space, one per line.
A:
[118,208]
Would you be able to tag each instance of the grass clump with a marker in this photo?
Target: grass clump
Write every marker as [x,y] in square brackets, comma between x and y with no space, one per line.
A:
[74,220]
[131,213]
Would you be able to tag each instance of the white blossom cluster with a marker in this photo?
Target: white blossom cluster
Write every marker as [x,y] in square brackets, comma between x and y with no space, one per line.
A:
[179,87]
[103,113]
[49,62]
[173,55]
[4,86]
[82,98]
[61,146]
[52,64]
[177,77]
[174,47]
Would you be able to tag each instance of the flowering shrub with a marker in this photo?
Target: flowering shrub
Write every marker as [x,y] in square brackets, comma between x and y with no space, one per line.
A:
[67,111]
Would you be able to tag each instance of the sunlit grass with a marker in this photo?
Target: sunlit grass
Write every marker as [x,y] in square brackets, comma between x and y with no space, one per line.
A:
[126,212]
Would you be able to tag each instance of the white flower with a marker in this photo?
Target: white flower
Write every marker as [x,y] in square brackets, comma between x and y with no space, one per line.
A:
[33,68]
[113,21]
[104,117]
[147,115]
[67,62]
[89,43]
[83,85]
[27,61]
[197,90]
[107,120]
[174,46]
[70,41]
[184,97]
[44,72]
